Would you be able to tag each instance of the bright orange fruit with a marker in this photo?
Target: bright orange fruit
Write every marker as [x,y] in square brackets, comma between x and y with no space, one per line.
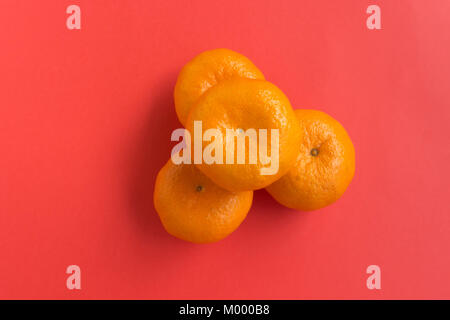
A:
[324,168]
[206,70]
[246,104]
[193,208]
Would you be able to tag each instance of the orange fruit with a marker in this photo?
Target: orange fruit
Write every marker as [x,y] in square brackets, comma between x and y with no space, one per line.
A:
[246,104]
[324,168]
[206,70]
[193,208]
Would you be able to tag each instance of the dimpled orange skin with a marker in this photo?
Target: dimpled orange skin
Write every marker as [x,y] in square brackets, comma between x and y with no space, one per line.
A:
[324,168]
[194,209]
[245,104]
[206,70]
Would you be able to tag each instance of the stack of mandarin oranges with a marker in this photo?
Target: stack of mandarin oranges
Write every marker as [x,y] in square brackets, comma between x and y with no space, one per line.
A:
[223,89]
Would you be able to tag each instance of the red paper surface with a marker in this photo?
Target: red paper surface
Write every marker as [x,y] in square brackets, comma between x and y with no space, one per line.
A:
[85,123]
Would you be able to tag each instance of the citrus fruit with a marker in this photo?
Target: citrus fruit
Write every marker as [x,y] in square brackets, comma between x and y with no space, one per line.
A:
[324,168]
[246,106]
[206,70]
[193,208]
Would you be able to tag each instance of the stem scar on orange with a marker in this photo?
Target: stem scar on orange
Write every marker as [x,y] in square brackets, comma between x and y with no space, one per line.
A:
[324,168]
[194,209]
[206,70]
[242,105]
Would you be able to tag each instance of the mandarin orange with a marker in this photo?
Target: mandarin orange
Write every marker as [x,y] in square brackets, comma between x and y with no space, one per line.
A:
[193,208]
[205,71]
[325,165]
[246,106]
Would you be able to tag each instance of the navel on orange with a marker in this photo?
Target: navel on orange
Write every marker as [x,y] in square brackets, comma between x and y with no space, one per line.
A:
[324,167]
[206,70]
[193,208]
[245,106]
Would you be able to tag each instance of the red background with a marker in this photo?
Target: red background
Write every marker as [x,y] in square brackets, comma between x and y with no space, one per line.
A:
[85,123]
